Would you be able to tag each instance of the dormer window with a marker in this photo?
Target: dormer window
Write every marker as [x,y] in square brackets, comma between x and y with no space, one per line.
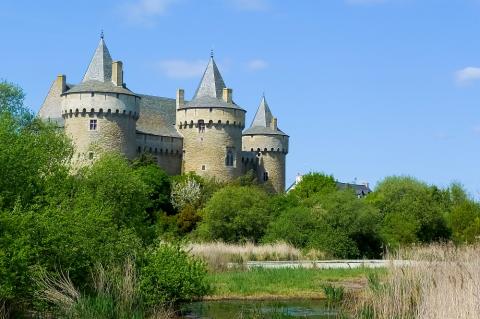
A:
[93,125]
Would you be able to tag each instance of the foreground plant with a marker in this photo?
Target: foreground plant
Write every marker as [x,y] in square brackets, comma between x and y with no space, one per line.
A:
[115,295]
[439,281]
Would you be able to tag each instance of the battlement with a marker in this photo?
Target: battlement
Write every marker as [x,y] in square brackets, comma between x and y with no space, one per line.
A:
[95,103]
[210,117]
[265,143]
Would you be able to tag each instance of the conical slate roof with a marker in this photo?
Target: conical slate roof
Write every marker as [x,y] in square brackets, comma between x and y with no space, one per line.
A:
[210,90]
[212,83]
[263,121]
[98,77]
[100,68]
[263,117]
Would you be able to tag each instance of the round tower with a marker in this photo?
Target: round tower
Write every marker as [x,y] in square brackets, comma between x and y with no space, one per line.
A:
[211,125]
[270,145]
[100,113]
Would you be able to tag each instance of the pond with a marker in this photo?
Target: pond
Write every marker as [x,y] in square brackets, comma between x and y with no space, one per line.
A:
[312,309]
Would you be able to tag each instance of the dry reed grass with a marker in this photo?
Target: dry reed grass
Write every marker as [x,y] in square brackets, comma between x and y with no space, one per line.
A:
[219,255]
[442,281]
[118,285]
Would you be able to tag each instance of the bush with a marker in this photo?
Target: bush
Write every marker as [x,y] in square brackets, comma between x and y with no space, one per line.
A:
[295,226]
[314,183]
[412,211]
[337,223]
[170,275]
[236,214]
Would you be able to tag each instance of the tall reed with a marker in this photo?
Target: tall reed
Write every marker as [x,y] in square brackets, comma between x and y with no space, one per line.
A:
[218,254]
[439,281]
[115,295]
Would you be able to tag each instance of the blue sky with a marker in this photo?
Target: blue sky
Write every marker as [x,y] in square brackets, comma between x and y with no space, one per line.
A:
[365,88]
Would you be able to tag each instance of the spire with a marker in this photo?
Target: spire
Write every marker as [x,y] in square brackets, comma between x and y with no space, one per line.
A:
[100,68]
[212,83]
[263,117]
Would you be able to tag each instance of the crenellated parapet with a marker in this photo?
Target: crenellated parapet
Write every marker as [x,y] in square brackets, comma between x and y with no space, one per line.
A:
[100,103]
[211,117]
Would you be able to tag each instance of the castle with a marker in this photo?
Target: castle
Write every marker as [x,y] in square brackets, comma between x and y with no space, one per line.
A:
[204,135]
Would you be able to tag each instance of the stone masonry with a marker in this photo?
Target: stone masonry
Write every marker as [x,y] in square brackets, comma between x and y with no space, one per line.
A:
[204,135]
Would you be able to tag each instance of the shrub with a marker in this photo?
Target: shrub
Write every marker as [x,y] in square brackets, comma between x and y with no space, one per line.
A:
[236,214]
[314,183]
[412,211]
[295,226]
[170,275]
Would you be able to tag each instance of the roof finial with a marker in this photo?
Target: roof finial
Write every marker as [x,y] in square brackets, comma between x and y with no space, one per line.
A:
[211,53]
[101,34]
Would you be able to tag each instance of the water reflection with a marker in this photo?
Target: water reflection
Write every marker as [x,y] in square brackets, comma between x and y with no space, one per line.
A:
[312,309]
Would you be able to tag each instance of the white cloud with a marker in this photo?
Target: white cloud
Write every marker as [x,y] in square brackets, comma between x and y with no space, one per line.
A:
[251,5]
[467,75]
[177,68]
[257,64]
[365,2]
[144,12]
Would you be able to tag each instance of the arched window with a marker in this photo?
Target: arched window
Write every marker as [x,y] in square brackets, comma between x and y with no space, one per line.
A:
[229,159]
[201,126]
[265,176]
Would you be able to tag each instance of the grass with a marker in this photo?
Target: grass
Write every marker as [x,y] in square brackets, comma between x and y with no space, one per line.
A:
[115,296]
[284,283]
[443,281]
[218,255]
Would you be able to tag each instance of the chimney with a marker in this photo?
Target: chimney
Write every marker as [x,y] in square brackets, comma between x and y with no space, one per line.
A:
[274,123]
[227,95]
[117,73]
[61,83]
[180,98]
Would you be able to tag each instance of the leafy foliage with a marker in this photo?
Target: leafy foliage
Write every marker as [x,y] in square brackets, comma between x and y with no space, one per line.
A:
[411,211]
[314,183]
[171,275]
[236,214]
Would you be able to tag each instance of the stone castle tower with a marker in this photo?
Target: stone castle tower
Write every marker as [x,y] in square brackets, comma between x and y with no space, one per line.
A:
[271,145]
[100,113]
[211,125]
[203,135]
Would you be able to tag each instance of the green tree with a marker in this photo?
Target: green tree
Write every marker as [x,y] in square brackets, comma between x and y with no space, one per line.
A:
[350,225]
[158,187]
[464,216]
[412,211]
[236,214]
[314,183]
[30,157]
[295,225]
[12,102]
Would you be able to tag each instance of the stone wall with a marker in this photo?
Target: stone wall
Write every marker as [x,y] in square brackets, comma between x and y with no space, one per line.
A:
[271,151]
[274,164]
[230,116]
[206,146]
[116,116]
[271,143]
[166,150]
[114,133]
[100,103]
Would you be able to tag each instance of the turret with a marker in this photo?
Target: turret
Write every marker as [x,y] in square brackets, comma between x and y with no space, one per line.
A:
[211,125]
[270,145]
[100,113]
